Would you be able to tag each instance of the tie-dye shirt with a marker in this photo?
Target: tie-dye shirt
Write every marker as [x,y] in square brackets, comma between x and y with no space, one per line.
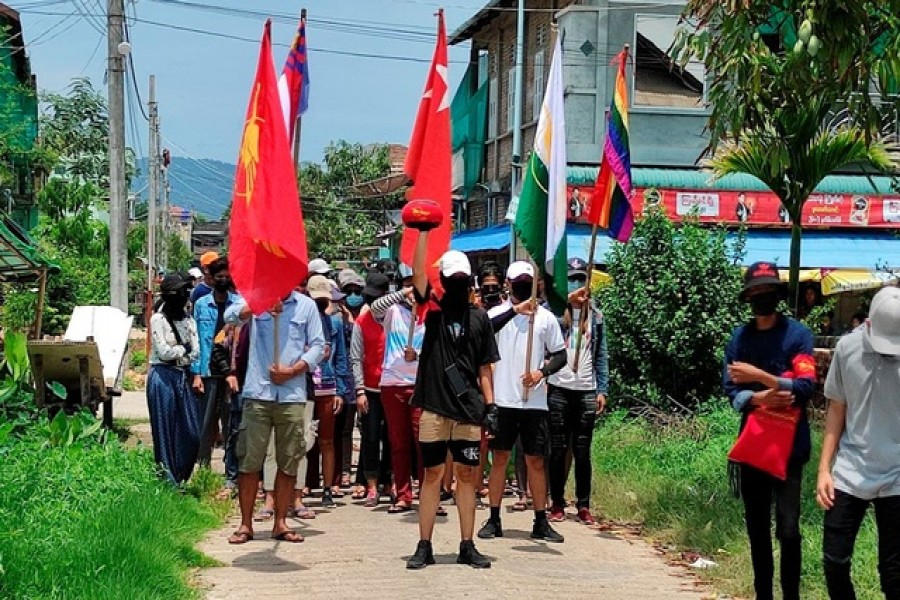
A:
[396,370]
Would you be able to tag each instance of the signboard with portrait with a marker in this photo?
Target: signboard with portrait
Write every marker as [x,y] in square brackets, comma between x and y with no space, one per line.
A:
[734,207]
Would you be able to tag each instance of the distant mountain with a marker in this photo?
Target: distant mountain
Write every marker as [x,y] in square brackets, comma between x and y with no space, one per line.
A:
[202,185]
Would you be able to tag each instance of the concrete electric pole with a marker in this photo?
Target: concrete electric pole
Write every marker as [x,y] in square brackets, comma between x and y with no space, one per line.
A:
[118,49]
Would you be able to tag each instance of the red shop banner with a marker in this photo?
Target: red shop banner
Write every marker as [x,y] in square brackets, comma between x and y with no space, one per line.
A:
[752,208]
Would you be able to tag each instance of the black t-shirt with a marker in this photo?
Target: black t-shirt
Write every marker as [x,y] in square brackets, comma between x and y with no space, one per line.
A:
[468,340]
[220,316]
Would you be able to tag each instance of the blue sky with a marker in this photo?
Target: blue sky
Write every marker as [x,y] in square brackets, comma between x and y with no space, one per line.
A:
[203,81]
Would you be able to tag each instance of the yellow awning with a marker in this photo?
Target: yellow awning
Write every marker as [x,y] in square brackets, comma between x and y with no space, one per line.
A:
[600,279]
[846,280]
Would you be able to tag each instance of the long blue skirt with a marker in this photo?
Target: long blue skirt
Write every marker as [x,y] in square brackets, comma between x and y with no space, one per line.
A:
[174,421]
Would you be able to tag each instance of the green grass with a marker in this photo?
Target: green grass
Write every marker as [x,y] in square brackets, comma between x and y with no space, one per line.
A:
[93,521]
[674,481]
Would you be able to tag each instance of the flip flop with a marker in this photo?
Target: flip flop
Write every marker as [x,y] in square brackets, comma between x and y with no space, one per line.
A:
[304,513]
[240,537]
[358,495]
[399,508]
[520,505]
[287,535]
[441,511]
[371,500]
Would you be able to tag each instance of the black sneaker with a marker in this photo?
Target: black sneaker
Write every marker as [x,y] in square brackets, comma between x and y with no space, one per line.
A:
[327,499]
[423,557]
[469,555]
[543,531]
[490,530]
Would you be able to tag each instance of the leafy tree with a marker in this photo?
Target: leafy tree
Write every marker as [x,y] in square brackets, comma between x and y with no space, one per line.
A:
[669,310]
[339,221]
[798,89]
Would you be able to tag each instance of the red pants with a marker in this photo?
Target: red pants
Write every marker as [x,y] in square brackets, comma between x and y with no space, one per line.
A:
[403,433]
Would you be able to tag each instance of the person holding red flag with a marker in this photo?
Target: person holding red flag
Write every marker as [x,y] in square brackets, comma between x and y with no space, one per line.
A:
[269,258]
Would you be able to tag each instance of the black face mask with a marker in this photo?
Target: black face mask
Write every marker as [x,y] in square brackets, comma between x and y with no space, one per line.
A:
[490,295]
[322,304]
[456,292]
[174,304]
[521,290]
[222,286]
[764,305]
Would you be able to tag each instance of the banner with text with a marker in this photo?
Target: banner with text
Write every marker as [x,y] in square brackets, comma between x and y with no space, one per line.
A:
[752,208]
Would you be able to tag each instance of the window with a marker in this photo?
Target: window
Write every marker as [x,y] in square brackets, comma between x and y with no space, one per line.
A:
[538,85]
[510,98]
[493,108]
[658,81]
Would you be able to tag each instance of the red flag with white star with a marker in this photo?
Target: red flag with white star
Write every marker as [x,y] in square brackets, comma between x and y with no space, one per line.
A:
[428,161]
[266,240]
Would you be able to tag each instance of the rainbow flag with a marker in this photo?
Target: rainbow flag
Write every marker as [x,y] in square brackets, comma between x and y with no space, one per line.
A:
[611,202]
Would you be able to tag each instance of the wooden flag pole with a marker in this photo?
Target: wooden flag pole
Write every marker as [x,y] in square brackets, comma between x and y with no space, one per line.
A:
[585,308]
[529,346]
[410,354]
[299,126]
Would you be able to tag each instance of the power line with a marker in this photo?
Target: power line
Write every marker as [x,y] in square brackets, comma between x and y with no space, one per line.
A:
[93,54]
[92,19]
[200,161]
[134,83]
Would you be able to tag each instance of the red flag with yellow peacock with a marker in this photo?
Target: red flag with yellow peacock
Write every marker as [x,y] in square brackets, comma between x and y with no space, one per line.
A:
[267,240]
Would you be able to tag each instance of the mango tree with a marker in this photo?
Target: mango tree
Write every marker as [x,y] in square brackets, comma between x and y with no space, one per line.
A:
[797,89]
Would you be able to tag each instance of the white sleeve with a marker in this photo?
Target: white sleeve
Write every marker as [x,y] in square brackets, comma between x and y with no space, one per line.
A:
[553,340]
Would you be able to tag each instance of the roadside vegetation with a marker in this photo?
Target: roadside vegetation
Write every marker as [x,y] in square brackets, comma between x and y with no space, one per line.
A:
[84,516]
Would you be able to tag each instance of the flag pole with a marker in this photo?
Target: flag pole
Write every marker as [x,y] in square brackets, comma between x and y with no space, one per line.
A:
[530,344]
[585,307]
[299,126]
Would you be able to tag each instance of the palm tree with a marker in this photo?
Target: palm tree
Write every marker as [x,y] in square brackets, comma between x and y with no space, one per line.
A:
[792,152]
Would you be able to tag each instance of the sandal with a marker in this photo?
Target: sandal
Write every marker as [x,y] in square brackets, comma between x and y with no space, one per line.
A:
[371,499]
[264,514]
[520,505]
[400,507]
[359,494]
[240,537]
[336,492]
[345,480]
[441,511]
[287,535]
[304,512]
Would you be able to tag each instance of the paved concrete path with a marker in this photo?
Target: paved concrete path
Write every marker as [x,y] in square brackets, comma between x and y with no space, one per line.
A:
[355,552]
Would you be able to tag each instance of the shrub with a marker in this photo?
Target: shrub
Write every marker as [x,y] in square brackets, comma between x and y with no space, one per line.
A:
[669,311]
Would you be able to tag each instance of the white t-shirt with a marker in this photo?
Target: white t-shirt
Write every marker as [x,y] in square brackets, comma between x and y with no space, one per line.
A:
[512,342]
[585,379]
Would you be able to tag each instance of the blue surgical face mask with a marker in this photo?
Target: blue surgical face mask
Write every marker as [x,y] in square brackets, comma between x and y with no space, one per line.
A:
[575,285]
[355,300]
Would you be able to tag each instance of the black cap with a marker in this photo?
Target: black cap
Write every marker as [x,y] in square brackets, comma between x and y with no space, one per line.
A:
[172,283]
[577,266]
[377,284]
[762,273]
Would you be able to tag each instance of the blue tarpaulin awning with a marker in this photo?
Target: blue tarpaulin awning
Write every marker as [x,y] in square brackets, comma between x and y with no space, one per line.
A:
[825,249]
[489,239]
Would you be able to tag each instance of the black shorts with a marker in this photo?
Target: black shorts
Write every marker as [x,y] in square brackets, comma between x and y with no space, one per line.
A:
[532,425]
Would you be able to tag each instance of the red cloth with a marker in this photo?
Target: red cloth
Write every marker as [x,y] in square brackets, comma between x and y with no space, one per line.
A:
[373,350]
[428,161]
[267,239]
[767,440]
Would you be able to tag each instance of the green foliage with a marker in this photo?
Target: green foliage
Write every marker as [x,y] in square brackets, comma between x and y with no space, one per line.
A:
[669,311]
[674,481]
[178,255]
[91,519]
[17,407]
[137,359]
[798,90]
[338,222]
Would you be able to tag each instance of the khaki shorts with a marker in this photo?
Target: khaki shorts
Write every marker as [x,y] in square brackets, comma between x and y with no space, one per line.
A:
[435,428]
[259,420]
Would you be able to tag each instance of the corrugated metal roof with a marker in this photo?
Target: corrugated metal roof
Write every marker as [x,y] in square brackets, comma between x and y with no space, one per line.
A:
[695,179]
[473,24]
[19,259]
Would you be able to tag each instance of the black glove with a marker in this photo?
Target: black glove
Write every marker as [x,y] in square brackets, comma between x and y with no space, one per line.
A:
[187,348]
[491,419]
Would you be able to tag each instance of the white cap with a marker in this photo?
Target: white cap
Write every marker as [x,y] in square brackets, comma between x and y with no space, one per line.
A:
[319,266]
[454,262]
[883,329]
[195,272]
[518,269]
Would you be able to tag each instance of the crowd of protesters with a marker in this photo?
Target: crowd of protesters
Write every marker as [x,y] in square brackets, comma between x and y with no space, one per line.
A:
[478,392]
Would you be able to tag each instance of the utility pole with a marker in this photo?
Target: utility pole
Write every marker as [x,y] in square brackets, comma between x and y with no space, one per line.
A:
[153,109]
[517,121]
[118,194]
